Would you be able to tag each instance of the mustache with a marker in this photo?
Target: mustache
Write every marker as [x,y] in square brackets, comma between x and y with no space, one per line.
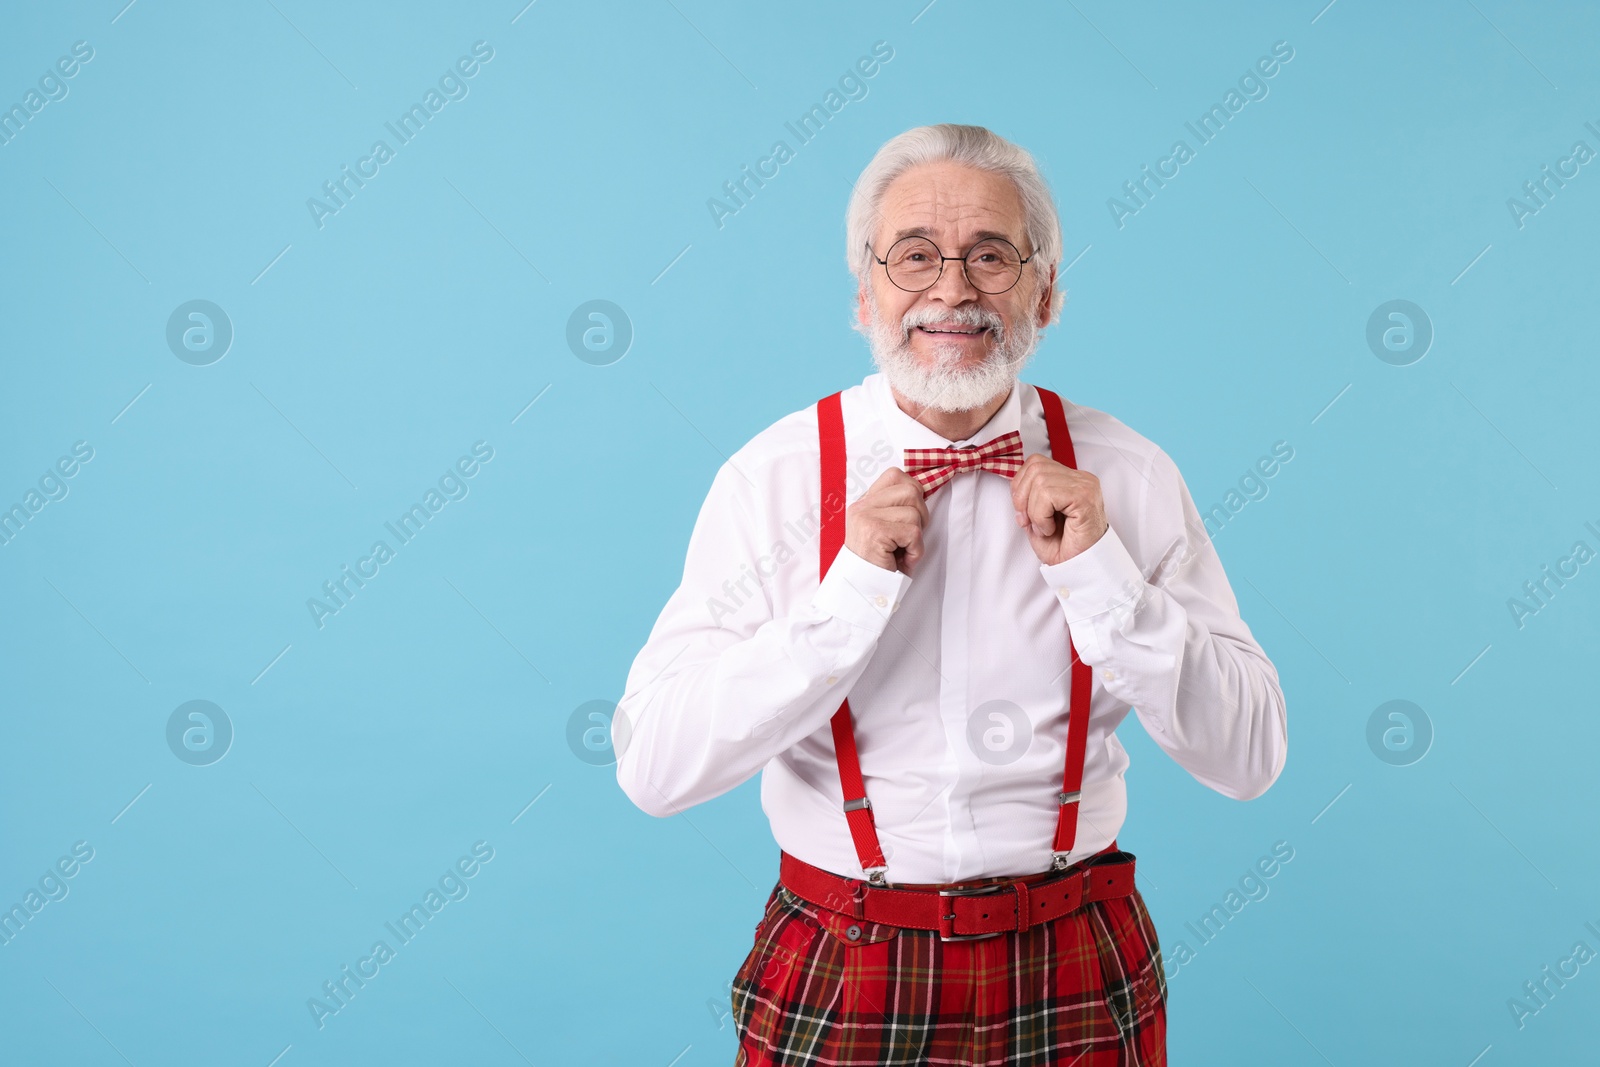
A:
[969,315]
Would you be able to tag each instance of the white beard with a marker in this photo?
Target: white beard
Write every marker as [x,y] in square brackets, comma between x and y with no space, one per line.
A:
[944,386]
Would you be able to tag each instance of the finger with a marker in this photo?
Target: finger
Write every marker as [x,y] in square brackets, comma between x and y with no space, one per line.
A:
[1022,487]
[914,548]
[1022,484]
[897,476]
[902,535]
[903,490]
[1041,507]
[1019,494]
[900,514]
[922,503]
[889,476]
[887,482]
[897,496]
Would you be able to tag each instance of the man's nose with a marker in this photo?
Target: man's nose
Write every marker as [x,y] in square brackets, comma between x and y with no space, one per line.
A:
[952,288]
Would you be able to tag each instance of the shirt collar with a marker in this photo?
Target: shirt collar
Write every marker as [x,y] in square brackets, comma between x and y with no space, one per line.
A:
[906,432]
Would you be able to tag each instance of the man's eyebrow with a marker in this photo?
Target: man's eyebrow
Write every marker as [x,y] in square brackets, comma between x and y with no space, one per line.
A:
[922,231]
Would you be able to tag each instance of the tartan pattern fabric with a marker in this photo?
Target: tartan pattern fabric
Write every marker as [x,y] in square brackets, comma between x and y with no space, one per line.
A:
[932,467]
[1087,989]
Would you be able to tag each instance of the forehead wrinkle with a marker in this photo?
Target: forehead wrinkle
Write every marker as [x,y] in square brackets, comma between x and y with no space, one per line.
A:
[960,211]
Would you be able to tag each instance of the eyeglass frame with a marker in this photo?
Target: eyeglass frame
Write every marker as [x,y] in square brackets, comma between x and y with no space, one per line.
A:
[943,259]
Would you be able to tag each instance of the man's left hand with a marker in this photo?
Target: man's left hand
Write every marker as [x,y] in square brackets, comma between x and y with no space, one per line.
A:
[1059,506]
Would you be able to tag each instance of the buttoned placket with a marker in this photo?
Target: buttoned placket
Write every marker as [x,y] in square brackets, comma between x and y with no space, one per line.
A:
[962,766]
[953,524]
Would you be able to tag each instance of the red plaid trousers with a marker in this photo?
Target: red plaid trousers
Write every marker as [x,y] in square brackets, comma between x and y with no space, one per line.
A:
[1087,989]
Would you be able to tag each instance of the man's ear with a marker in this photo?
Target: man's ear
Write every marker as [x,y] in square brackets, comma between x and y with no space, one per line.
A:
[1046,298]
[863,308]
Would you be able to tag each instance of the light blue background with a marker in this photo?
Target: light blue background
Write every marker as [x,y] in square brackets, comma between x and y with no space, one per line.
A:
[426,315]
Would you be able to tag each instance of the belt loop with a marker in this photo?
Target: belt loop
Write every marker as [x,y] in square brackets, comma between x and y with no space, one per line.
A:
[1024,910]
[858,890]
[1084,881]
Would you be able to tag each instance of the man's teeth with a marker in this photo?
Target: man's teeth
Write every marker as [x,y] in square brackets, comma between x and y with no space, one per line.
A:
[935,329]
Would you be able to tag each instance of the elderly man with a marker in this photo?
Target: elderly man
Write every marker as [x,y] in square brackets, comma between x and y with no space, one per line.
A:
[993,577]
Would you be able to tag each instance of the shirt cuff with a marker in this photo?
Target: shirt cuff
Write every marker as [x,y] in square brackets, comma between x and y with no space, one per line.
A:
[862,593]
[1101,579]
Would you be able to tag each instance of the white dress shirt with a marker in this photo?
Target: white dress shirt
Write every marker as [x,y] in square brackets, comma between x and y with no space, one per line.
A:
[957,674]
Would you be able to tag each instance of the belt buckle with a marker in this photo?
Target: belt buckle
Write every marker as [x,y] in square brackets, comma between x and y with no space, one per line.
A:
[947,921]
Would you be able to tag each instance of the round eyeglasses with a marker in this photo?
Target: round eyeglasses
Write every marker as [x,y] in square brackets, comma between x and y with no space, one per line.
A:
[914,264]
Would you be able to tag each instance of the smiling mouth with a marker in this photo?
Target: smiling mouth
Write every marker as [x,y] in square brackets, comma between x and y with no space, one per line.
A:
[954,331]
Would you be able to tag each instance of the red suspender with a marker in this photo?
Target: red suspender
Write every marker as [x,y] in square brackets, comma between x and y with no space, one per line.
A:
[857,808]
[830,432]
[1055,422]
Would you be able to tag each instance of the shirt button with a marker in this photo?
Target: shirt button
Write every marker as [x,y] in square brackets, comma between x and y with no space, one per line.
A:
[1108,674]
[832,678]
[1063,592]
[853,933]
[881,600]
[895,607]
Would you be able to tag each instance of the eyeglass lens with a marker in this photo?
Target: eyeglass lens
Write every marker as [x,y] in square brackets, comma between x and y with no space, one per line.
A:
[992,265]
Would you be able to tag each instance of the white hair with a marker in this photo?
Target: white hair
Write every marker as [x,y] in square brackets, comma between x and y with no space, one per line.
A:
[973,146]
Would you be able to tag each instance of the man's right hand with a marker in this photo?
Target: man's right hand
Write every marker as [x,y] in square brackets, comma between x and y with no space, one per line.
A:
[884,526]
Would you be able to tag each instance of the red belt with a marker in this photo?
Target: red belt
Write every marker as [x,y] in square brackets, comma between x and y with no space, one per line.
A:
[965,911]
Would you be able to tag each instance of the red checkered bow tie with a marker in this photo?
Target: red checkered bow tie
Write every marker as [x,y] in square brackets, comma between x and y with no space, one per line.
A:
[934,466]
